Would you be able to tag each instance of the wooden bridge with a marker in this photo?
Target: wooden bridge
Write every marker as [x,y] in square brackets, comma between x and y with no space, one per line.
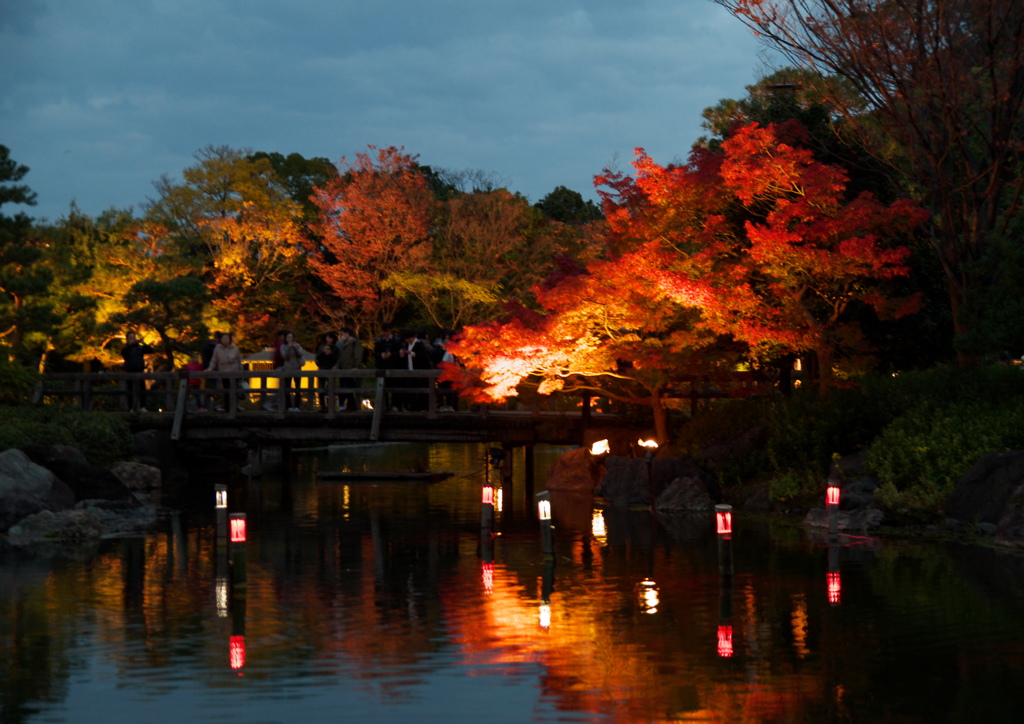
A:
[253,406]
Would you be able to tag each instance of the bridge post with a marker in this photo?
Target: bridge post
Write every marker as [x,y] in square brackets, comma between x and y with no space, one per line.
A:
[506,465]
[529,473]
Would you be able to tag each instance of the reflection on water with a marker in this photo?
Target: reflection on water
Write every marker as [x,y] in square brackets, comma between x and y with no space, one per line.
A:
[393,602]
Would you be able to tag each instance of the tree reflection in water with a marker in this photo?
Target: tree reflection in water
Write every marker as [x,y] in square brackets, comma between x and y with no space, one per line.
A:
[388,601]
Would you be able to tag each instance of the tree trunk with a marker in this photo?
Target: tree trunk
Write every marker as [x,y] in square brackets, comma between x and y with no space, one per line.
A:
[660,417]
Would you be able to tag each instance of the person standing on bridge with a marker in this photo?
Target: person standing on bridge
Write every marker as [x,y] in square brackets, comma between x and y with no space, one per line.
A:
[292,354]
[386,356]
[418,354]
[226,358]
[134,354]
[350,357]
[326,359]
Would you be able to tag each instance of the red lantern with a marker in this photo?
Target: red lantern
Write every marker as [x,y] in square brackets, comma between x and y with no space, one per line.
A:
[488,496]
[832,495]
[238,527]
[724,520]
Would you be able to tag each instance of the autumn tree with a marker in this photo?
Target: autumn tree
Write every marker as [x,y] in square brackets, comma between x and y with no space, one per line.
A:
[486,248]
[940,95]
[375,221]
[751,251]
[235,218]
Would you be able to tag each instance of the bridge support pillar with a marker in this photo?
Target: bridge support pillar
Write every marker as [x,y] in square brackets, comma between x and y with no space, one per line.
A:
[528,465]
[506,466]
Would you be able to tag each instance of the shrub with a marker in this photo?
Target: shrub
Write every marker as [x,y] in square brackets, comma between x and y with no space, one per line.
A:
[102,438]
[16,382]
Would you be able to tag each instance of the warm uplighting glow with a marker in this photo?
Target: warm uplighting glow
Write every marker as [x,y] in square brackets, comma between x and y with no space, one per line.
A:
[488,495]
[649,444]
[723,519]
[236,652]
[832,495]
[601,447]
[725,641]
[649,596]
[238,527]
[487,574]
[545,616]
[220,496]
[544,509]
[597,526]
[498,500]
[835,587]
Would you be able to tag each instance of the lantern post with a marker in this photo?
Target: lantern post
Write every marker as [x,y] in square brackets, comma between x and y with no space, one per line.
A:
[220,504]
[832,504]
[546,530]
[723,529]
[239,556]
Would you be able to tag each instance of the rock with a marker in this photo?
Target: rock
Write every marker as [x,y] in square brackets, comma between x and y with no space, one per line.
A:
[155,448]
[67,525]
[137,476]
[27,488]
[859,494]
[720,451]
[626,480]
[576,471]
[846,520]
[685,494]
[983,493]
[90,481]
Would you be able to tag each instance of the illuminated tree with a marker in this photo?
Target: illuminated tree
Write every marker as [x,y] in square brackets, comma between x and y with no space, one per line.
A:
[752,250]
[375,221]
[235,217]
[939,94]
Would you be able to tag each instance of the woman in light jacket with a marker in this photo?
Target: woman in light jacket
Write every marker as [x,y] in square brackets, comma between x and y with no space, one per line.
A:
[291,352]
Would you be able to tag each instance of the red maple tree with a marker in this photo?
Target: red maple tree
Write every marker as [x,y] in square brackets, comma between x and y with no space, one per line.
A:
[755,249]
[374,221]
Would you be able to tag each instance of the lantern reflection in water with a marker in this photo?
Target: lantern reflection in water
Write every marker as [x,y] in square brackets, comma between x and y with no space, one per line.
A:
[487,575]
[649,596]
[835,587]
[236,652]
[725,641]
[597,526]
[220,587]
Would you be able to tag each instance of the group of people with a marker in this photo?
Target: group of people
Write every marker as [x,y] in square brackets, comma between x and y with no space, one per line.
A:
[409,349]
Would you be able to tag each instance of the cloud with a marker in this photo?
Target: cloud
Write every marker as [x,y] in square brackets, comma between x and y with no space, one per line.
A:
[101,98]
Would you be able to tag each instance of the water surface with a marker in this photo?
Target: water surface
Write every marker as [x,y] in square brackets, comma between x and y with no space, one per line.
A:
[384,602]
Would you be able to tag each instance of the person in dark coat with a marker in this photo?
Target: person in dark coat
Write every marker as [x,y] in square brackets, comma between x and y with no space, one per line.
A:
[134,355]
[386,356]
[326,359]
[417,354]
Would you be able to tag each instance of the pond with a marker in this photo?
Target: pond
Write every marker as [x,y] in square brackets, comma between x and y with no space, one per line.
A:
[383,601]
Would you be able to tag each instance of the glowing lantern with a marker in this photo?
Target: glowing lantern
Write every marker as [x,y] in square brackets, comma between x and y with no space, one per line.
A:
[544,509]
[238,527]
[601,447]
[723,519]
[725,641]
[835,587]
[220,493]
[488,495]
[650,445]
[498,500]
[236,652]
[545,616]
[832,495]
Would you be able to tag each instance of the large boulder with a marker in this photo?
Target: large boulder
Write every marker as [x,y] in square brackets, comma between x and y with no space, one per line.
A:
[90,481]
[631,481]
[27,488]
[685,494]
[576,471]
[985,490]
[65,526]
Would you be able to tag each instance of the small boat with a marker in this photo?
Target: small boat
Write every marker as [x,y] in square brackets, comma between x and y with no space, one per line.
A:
[429,476]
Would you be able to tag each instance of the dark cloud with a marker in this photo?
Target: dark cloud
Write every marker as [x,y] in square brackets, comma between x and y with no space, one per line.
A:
[101,98]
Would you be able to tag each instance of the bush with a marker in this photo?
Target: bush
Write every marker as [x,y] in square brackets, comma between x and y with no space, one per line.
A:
[16,382]
[103,439]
